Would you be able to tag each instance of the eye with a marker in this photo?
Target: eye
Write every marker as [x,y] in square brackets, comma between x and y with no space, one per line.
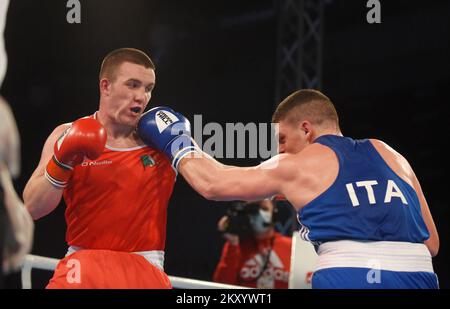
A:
[132,84]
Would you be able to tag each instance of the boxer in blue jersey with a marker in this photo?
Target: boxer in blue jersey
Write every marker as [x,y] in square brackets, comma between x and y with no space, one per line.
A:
[358,201]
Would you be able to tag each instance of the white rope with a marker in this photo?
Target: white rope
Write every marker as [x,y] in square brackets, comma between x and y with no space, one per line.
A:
[41,262]
[185,283]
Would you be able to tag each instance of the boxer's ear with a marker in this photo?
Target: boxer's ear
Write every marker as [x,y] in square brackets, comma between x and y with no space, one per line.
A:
[105,86]
[305,127]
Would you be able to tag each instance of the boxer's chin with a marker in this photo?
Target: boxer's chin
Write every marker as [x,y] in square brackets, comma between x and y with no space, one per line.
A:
[129,119]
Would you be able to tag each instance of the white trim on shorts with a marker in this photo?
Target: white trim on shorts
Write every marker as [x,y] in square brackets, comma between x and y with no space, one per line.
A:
[154,257]
[382,255]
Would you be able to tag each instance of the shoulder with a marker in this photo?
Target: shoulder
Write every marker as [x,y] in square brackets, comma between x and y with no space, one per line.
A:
[379,144]
[57,131]
[316,158]
[394,160]
[314,153]
[387,152]
[56,134]
[64,126]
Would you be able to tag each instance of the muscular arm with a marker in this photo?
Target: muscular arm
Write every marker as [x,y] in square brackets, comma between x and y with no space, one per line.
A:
[216,181]
[402,168]
[40,196]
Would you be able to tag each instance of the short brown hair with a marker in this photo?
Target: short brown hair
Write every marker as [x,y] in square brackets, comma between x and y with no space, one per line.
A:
[306,104]
[115,58]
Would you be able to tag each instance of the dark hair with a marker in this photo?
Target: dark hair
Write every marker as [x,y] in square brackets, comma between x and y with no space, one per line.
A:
[115,58]
[306,104]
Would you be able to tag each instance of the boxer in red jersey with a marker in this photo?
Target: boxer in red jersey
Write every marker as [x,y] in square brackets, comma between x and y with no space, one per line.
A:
[115,188]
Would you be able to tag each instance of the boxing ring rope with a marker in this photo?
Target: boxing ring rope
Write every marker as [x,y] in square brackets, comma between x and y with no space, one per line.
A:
[46,263]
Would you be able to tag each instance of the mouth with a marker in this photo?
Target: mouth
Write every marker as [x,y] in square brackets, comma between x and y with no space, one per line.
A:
[135,110]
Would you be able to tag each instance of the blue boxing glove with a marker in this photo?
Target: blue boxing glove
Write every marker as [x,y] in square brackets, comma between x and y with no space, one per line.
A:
[166,130]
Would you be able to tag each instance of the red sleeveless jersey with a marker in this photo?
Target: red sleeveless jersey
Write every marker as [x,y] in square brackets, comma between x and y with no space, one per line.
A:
[119,201]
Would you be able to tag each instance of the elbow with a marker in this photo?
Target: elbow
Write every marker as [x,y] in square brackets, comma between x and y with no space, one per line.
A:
[210,182]
[433,245]
[213,189]
[434,250]
[33,211]
[209,191]
[208,186]
[36,212]
[32,204]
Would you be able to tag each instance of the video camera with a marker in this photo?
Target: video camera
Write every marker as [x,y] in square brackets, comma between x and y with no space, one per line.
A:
[241,215]
[239,219]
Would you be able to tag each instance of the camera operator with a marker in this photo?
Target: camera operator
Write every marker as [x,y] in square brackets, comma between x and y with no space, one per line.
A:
[254,255]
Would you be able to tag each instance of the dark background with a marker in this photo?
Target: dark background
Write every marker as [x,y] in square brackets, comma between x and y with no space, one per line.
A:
[217,59]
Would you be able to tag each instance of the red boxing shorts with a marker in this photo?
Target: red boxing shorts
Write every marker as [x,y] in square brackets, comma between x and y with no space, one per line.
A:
[105,269]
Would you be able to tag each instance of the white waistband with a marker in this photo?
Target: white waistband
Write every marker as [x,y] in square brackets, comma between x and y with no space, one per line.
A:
[383,255]
[155,257]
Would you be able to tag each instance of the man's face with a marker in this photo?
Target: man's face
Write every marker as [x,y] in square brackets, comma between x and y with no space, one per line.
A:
[129,93]
[266,205]
[261,221]
[291,138]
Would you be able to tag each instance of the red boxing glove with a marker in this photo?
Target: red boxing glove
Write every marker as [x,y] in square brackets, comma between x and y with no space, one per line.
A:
[85,138]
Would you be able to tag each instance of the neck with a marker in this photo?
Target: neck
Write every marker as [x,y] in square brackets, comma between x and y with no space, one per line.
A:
[118,135]
[327,131]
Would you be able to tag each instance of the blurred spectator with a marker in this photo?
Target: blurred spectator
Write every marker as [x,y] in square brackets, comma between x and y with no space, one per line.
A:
[16,225]
[254,255]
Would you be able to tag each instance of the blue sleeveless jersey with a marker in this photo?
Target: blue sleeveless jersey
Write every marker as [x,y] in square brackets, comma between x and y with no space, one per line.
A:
[367,201]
